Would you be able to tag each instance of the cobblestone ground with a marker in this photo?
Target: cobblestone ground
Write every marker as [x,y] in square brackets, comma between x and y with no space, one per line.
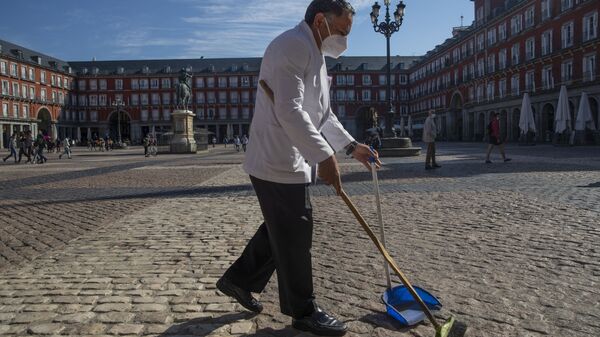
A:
[120,245]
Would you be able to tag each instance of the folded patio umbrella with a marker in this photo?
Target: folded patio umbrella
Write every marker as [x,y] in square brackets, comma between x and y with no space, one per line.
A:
[584,115]
[562,119]
[526,120]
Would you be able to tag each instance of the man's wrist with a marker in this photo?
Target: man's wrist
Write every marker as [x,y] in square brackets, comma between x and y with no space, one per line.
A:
[351,147]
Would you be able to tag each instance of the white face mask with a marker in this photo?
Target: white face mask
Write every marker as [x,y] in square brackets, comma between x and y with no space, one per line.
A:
[333,45]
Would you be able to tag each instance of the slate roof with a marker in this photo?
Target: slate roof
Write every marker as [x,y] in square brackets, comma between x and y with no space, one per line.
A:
[22,54]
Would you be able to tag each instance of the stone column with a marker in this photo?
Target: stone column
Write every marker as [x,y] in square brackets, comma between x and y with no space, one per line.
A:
[78,133]
[1,136]
[89,133]
[54,131]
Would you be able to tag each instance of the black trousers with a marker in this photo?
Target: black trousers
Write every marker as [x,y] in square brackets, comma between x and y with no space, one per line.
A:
[282,243]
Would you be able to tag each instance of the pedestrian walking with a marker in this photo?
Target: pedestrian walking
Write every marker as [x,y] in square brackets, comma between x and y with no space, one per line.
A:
[214,141]
[146,143]
[12,147]
[285,141]
[225,141]
[66,148]
[237,142]
[429,134]
[244,142]
[494,133]
[25,145]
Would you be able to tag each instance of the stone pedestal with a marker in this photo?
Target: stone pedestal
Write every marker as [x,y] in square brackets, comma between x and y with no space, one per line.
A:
[398,147]
[183,132]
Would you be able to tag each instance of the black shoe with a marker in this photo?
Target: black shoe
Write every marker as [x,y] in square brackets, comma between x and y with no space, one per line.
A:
[428,167]
[507,159]
[320,323]
[488,161]
[242,296]
[436,166]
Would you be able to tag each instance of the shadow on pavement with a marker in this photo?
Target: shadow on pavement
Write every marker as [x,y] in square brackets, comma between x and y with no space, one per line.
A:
[204,326]
[591,185]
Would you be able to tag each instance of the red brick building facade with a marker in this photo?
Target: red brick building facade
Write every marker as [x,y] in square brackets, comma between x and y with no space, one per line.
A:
[513,47]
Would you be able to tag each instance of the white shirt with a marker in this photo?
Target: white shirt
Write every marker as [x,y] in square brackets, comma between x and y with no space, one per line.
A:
[285,137]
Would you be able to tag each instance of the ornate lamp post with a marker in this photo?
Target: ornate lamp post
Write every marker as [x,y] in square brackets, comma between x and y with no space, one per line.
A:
[118,104]
[387,28]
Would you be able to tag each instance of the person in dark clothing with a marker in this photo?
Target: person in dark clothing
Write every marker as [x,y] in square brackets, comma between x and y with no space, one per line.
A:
[494,132]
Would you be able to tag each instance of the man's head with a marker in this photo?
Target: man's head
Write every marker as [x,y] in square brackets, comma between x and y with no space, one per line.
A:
[330,18]
[496,115]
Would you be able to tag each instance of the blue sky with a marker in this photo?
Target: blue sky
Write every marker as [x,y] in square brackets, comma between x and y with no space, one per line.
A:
[75,30]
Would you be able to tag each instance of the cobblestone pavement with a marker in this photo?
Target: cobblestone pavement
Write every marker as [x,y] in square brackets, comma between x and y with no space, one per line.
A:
[113,244]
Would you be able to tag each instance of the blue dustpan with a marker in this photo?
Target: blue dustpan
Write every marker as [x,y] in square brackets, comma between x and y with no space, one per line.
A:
[401,305]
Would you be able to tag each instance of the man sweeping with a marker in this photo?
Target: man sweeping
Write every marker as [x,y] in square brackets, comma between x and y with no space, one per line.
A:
[292,129]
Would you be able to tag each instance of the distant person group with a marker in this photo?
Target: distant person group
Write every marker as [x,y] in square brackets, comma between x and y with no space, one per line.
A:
[238,143]
[23,144]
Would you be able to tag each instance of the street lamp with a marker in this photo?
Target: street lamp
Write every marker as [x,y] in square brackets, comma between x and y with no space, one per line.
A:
[118,104]
[387,28]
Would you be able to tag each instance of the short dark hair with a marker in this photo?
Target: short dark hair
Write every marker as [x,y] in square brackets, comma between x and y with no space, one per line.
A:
[336,7]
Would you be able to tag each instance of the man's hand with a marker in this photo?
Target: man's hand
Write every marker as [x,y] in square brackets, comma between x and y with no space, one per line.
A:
[329,172]
[363,153]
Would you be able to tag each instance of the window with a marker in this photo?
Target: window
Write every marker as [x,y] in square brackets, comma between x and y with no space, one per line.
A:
[53,80]
[144,99]
[491,63]
[530,81]
[93,100]
[565,4]
[211,113]
[15,89]
[166,114]
[210,97]
[25,111]
[222,113]
[547,42]
[246,113]
[13,69]
[43,78]
[502,59]
[479,93]
[589,67]
[233,82]
[340,95]
[32,92]
[491,36]
[3,67]
[566,71]
[546,9]
[530,17]
[83,100]
[502,88]
[222,97]
[366,80]
[43,94]
[210,82]
[154,83]
[490,90]
[530,48]
[102,84]
[350,79]
[514,85]
[200,84]
[23,72]
[382,79]
[547,78]
[480,67]
[144,115]
[366,94]
[15,110]
[94,116]
[135,84]
[567,35]
[155,99]
[119,84]
[516,24]
[515,54]
[4,109]
[234,97]
[135,99]
[32,74]
[200,113]
[166,98]
[5,88]
[93,84]
[502,31]
[403,79]
[590,26]
[24,91]
[155,114]
[340,79]
[166,83]
[382,95]
[341,111]
[245,97]
[222,82]
[245,81]
[66,86]
[480,42]
[144,83]
[350,95]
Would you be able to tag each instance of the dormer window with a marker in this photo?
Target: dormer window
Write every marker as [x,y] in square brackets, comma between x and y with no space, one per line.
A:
[85,71]
[234,68]
[168,70]
[52,64]
[145,70]
[37,59]
[96,70]
[120,70]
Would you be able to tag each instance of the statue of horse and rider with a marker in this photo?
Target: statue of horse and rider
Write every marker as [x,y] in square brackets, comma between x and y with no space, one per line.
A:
[183,90]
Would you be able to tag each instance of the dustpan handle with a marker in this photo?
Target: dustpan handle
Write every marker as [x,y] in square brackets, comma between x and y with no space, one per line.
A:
[389,260]
[380,218]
